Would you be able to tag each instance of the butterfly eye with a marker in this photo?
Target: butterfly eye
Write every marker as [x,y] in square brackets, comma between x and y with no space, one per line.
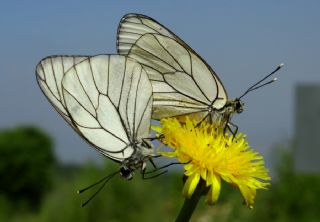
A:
[126,173]
[239,106]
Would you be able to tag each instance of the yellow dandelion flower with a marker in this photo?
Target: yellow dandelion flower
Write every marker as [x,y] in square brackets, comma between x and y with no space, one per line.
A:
[212,155]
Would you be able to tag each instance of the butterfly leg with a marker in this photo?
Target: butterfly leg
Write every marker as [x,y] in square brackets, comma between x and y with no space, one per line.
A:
[153,164]
[149,138]
[164,166]
[144,173]
[144,177]
[153,138]
[145,143]
[234,131]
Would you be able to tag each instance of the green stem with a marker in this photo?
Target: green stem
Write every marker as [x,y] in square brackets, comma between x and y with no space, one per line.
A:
[190,205]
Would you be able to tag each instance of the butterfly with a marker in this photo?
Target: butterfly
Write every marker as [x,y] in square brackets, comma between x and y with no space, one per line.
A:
[107,100]
[183,83]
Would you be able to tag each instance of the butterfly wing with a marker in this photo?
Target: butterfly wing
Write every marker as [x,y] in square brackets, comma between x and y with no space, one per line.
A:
[132,26]
[49,74]
[162,52]
[109,98]
[182,82]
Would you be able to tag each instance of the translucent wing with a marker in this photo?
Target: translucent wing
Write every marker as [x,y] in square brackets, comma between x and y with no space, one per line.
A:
[133,26]
[109,100]
[182,82]
[49,73]
[168,99]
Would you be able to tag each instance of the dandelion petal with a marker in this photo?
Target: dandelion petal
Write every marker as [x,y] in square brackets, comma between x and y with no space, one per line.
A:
[190,185]
[214,191]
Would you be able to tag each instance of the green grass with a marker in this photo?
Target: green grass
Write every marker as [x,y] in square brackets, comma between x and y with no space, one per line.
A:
[292,198]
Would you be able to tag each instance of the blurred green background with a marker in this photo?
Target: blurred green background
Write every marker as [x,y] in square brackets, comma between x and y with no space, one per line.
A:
[38,188]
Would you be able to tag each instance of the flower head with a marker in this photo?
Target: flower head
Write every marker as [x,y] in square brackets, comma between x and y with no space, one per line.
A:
[211,154]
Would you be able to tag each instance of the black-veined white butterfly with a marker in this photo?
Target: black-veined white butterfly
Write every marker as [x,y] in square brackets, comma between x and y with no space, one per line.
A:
[107,100]
[183,83]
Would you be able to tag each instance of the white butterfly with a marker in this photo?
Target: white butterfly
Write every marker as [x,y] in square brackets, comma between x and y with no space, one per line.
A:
[107,100]
[183,83]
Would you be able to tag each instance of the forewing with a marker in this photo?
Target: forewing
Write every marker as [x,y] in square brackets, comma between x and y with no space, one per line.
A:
[132,26]
[49,73]
[100,94]
[182,82]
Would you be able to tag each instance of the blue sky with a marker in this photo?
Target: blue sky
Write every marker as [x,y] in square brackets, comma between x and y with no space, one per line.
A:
[241,40]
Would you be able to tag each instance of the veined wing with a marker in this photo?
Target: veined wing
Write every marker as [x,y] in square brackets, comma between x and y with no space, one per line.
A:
[182,82]
[132,26]
[49,73]
[109,99]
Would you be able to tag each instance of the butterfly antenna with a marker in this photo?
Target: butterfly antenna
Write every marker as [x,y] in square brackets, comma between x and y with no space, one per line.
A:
[258,84]
[105,180]
[98,182]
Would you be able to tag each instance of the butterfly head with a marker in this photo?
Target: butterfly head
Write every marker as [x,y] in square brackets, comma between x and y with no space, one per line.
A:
[233,106]
[238,105]
[137,161]
[126,173]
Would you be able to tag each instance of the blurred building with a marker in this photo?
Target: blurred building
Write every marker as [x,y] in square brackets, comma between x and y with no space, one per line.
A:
[307,128]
